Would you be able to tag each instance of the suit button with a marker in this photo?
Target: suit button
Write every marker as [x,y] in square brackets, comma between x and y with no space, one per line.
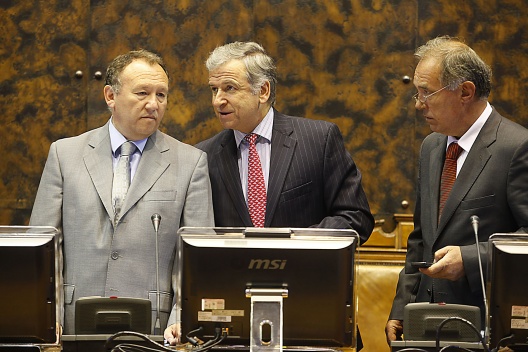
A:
[115,255]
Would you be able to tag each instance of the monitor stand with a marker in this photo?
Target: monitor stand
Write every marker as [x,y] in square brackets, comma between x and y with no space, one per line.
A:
[266,319]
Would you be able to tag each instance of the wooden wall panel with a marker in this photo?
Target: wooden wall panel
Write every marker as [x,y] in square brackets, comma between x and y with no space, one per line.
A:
[42,44]
[342,61]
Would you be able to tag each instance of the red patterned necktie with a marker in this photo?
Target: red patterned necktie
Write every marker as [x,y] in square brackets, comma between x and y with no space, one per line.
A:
[256,184]
[448,174]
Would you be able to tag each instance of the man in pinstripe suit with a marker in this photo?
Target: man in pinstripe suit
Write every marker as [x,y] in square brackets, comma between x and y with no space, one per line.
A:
[311,179]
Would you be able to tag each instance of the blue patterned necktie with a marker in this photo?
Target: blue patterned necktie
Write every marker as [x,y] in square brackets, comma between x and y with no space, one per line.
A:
[122,178]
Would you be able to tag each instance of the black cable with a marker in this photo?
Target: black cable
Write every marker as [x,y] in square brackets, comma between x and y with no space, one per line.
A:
[499,344]
[220,336]
[467,322]
[152,345]
[193,340]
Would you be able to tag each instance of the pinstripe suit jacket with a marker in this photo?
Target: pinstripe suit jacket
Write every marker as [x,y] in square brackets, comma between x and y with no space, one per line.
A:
[99,260]
[492,184]
[313,180]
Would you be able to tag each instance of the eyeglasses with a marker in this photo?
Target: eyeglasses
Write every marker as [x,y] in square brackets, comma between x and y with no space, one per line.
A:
[423,99]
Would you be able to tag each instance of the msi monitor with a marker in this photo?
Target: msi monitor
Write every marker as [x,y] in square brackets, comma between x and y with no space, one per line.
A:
[314,268]
[31,293]
[507,291]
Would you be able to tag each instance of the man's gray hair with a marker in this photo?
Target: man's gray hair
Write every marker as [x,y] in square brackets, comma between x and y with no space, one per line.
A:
[459,63]
[259,65]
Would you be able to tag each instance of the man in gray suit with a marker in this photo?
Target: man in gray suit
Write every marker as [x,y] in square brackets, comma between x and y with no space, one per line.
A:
[109,252]
[310,178]
[491,180]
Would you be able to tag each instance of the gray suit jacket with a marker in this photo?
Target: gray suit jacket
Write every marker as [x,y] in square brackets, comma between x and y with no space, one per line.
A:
[313,180]
[75,196]
[492,184]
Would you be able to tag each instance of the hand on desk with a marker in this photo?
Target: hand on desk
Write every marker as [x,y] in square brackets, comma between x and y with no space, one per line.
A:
[393,330]
[172,334]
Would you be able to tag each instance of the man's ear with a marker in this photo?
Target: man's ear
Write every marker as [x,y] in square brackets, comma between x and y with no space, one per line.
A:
[265,92]
[468,90]
[109,96]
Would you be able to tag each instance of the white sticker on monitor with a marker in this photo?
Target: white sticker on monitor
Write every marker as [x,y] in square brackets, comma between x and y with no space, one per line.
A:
[229,312]
[208,316]
[216,303]
[519,324]
[519,317]
[520,311]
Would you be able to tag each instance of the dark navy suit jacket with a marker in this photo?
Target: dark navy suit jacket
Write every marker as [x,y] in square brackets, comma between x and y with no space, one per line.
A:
[313,181]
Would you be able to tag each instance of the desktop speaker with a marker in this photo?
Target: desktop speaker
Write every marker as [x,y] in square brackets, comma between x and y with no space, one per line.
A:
[421,321]
[108,315]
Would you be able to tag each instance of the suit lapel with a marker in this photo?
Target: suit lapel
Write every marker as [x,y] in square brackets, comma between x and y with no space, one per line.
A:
[98,161]
[435,173]
[227,163]
[475,162]
[282,149]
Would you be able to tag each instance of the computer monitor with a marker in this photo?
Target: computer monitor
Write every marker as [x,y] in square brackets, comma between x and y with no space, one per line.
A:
[31,293]
[507,290]
[315,266]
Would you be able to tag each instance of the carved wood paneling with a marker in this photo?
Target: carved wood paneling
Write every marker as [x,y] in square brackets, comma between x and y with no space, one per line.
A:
[341,61]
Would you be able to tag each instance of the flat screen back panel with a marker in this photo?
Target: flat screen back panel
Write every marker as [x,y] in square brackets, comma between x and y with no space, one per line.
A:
[30,294]
[317,270]
[507,290]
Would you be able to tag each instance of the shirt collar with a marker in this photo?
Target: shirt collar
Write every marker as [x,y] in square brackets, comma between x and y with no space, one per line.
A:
[264,129]
[467,140]
[116,139]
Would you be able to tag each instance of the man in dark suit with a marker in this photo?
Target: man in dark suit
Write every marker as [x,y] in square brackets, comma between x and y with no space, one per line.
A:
[492,180]
[310,178]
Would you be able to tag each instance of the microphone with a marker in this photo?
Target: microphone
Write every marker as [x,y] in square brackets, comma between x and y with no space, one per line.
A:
[475,223]
[156,219]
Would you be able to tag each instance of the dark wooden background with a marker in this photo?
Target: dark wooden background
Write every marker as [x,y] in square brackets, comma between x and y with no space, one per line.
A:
[341,61]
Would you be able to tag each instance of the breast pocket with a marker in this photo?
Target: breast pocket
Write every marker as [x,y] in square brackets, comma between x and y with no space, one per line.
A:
[478,203]
[297,191]
[160,196]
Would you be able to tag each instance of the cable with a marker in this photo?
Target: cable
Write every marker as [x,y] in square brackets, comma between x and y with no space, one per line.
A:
[467,322]
[506,338]
[194,340]
[126,346]
[220,335]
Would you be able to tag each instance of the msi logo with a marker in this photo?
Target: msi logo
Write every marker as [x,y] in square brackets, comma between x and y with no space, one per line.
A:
[267,264]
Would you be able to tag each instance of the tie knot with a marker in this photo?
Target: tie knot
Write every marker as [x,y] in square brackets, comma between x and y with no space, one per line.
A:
[453,151]
[251,138]
[127,148]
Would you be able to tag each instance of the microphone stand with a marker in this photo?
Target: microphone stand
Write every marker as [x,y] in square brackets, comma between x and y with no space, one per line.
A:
[156,218]
[475,223]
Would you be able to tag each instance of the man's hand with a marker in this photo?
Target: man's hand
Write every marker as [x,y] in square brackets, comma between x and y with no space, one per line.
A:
[393,330]
[172,334]
[448,264]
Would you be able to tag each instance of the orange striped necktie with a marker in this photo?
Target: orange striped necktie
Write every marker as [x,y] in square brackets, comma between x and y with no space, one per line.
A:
[448,174]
